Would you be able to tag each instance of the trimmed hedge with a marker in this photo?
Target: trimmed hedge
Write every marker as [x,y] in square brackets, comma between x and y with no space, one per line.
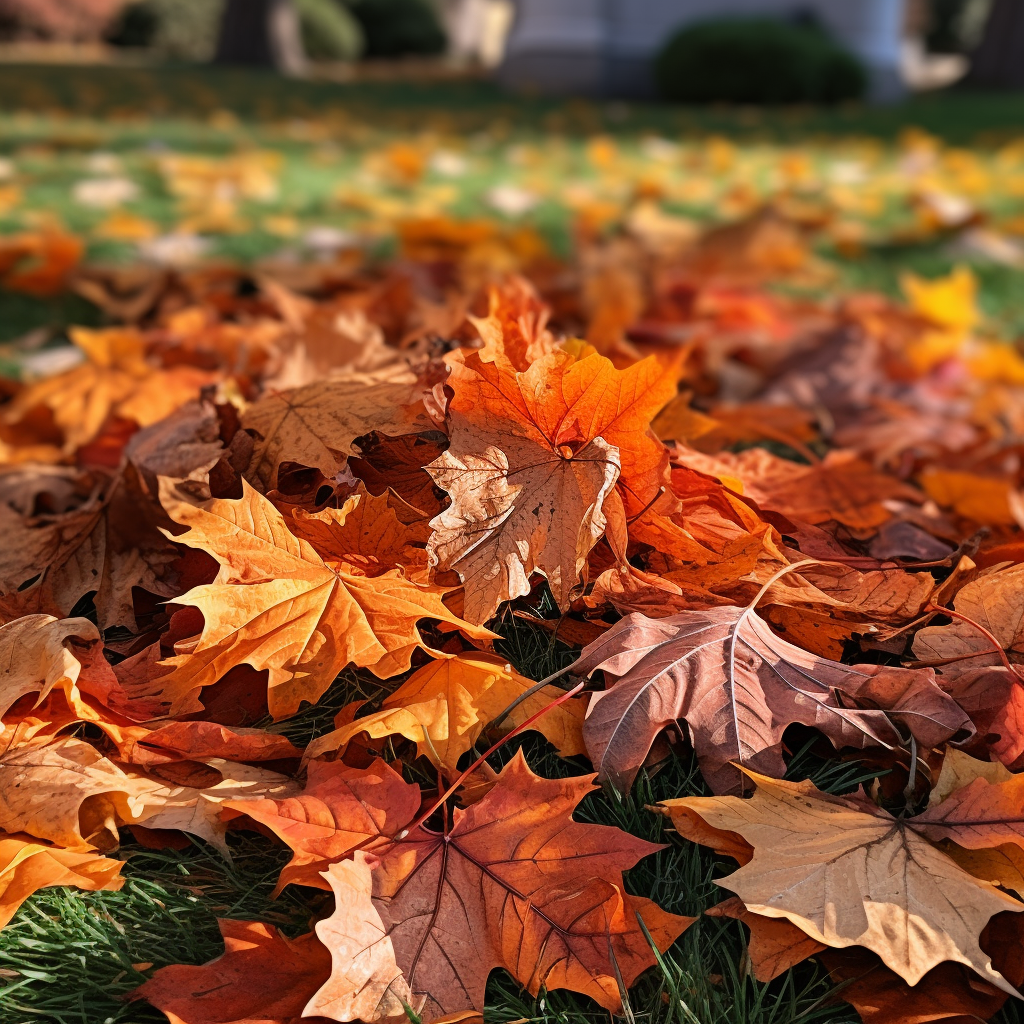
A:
[756,60]
[396,28]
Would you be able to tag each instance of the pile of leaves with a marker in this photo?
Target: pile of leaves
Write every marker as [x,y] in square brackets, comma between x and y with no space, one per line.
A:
[754,529]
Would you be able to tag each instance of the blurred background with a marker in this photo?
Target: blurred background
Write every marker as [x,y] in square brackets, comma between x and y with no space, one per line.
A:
[775,190]
[144,137]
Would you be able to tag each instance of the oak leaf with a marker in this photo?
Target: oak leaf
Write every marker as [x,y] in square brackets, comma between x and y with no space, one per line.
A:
[275,604]
[739,686]
[849,874]
[27,865]
[514,882]
[317,425]
[444,707]
[340,809]
[262,977]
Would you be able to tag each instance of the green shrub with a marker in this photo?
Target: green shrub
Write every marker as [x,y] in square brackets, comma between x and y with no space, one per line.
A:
[136,26]
[756,60]
[329,30]
[395,28]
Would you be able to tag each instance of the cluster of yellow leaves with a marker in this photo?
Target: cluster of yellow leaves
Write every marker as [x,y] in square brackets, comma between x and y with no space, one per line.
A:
[250,493]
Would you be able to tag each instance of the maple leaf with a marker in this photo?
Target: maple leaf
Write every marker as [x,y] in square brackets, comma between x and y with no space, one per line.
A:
[738,686]
[101,540]
[316,425]
[27,865]
[340,809]
[366,532]
[533,457]
[275,604]
[116,380]
[514,332]
[514,883]
[263,977]
[849,874]
[444,707]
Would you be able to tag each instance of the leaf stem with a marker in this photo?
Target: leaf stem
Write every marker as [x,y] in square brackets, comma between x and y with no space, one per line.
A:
[483,757]
[997,646]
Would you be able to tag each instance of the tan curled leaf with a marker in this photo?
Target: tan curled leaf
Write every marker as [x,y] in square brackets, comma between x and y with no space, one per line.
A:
[366,982]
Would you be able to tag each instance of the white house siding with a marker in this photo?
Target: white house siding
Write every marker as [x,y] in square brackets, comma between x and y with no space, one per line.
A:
[605,47]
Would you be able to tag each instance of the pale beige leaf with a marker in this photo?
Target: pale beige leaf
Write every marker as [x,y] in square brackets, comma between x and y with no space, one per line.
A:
[849,874]
[366,983]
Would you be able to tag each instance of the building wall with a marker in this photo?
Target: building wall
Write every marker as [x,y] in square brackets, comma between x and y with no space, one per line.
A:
[604,47]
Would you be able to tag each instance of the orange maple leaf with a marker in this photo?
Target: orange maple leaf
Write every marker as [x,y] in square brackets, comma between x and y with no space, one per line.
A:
[533,458]
[262,976]
[340,809]
[276,604]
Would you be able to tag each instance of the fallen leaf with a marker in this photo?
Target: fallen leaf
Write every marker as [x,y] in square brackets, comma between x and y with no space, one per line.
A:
[340,809]
[512,883]
[739,686]
[533,457]
[27,865]
[97,541]
[776,944]
[995,601]
[262,977]
[317,425]
[277,605]
[115,380]
[366,982]
[36,655]
[849,874]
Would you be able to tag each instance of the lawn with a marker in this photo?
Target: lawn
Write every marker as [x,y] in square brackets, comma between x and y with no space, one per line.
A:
[174,167]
